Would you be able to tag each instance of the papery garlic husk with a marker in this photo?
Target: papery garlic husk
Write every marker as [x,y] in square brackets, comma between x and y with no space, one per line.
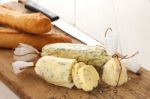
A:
[114,74]
[25,52]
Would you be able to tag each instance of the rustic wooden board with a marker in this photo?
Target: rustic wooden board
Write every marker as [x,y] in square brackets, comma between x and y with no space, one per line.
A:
[28,85]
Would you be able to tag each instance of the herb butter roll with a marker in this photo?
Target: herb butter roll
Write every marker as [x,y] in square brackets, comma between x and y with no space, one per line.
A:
[85,76]
[91,55]
[67,72]
[56,70]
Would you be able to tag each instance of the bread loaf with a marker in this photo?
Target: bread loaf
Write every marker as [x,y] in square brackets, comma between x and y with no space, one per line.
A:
[35,23]
[10,38]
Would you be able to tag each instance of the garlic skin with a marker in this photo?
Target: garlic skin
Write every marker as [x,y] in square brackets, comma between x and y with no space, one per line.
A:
[25,52]
[114,74]
[18,65]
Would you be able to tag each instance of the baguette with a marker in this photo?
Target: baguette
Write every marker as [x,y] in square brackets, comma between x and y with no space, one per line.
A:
[10,38]
[35,23]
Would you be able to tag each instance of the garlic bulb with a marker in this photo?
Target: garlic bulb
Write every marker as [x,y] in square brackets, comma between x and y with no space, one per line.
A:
[25,53]
[114,73]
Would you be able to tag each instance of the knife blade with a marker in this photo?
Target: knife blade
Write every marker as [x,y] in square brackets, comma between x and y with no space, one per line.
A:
[61,24]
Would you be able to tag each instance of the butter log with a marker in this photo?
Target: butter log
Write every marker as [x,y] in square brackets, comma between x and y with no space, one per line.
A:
[91,55]
[56,70]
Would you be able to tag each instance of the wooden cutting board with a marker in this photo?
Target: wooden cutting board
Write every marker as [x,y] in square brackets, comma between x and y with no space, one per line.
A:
[28,85]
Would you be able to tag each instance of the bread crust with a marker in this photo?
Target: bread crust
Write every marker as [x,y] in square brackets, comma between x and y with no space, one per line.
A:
[10,38]
[35,23]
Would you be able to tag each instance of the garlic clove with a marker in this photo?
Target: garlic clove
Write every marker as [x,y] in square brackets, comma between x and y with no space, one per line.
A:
[22,51]
[29,47]
[18,65]
[25,52]
[26,58]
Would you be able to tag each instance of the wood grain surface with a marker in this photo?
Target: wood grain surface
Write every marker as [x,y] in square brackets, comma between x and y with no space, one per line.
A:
[28,85]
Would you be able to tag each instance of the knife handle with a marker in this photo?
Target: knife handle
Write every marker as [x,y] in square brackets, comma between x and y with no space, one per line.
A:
[33,6]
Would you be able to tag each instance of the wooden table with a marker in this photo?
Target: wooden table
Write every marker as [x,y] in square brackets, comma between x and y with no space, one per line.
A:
[28,85]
